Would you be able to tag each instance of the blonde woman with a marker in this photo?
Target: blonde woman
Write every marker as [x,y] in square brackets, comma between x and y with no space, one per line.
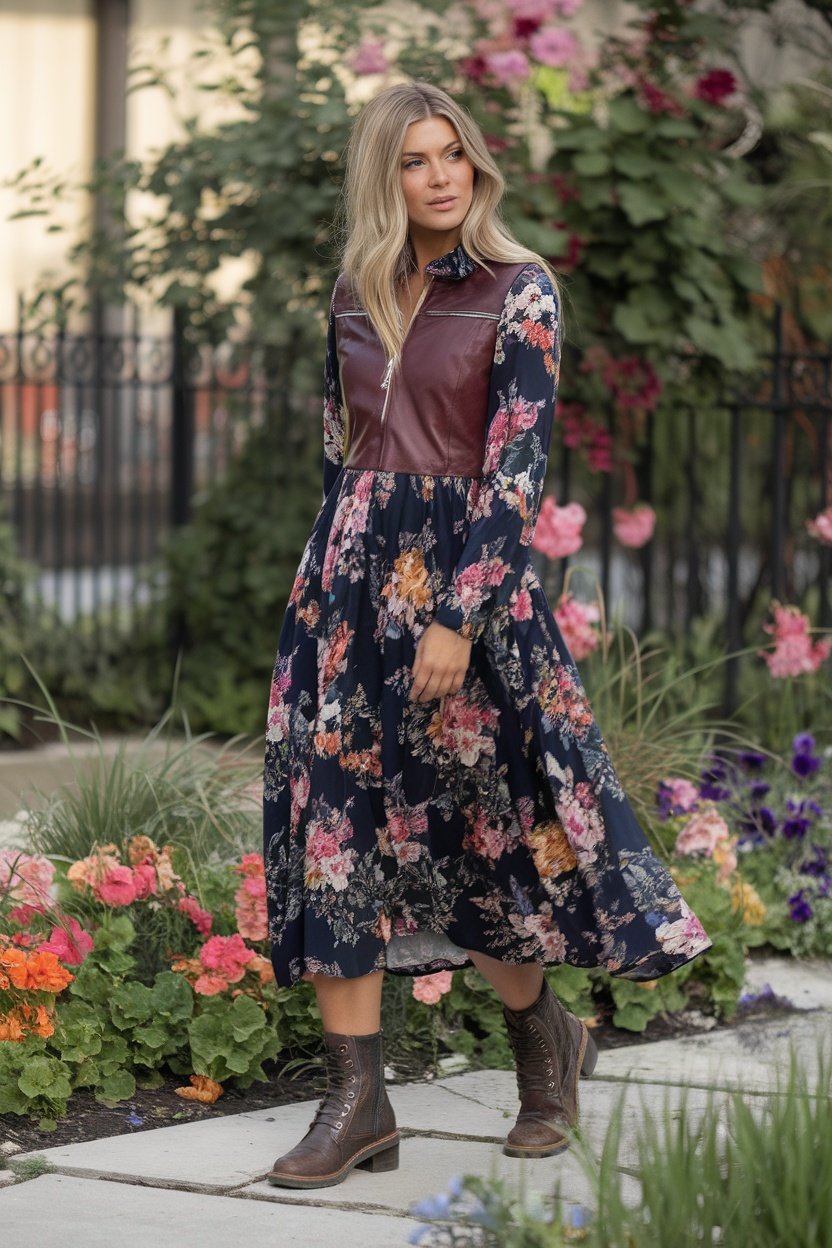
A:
[437,793]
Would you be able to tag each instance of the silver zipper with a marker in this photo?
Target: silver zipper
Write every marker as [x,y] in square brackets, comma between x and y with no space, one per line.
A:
[386,381]
[353,313]
[488,316]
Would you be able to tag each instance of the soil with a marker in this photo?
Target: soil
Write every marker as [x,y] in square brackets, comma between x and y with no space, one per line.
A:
[88,1119]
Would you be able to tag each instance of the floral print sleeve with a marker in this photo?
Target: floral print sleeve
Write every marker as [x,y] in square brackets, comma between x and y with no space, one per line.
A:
[504,503]
[333,408]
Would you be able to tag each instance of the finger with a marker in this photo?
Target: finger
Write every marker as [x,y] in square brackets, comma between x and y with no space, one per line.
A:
[431,688]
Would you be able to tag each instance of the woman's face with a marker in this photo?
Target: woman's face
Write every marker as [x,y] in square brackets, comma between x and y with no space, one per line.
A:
[434,168]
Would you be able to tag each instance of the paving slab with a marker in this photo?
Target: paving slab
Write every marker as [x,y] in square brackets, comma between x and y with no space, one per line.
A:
[426,1167]
[58,1210]
[805,982]
[751,1056]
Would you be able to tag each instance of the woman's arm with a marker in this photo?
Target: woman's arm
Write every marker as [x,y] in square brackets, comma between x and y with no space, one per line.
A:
[521,409]
[333,408]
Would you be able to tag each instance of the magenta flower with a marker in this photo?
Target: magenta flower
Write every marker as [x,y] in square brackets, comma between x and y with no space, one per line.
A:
[715,86]
[559,530]
[635,527]
[821,526]
[507,67]
[368,58]
[553,46]
[794,652]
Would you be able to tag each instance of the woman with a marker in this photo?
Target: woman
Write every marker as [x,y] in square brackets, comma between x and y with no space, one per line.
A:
[437,792]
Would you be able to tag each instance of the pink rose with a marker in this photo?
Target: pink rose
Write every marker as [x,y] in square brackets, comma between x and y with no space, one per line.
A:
[821,526]
[635,527]
[117,888]
[559,530]
[429,988]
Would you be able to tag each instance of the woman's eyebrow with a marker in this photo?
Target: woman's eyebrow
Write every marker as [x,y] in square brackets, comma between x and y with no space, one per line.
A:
[453,143]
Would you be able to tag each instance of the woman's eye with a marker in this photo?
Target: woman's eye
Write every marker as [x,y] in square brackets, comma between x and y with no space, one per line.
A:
[410,163]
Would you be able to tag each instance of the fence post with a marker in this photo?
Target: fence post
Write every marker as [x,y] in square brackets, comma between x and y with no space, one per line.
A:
[181,459]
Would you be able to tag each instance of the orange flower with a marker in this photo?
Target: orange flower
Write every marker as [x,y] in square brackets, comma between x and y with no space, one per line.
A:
[327,742]
[204,1089]
[553,855]
[18,1023]
[39,971]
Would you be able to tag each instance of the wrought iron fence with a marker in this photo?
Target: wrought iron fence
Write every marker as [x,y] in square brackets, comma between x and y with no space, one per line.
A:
[103,440]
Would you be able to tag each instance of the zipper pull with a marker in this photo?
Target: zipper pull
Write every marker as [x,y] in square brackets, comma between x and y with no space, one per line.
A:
[385,381]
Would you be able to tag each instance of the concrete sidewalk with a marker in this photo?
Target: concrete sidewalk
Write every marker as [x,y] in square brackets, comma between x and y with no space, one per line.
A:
[202,1183]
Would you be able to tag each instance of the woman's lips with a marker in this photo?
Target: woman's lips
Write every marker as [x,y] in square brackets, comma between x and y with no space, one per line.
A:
[443,204]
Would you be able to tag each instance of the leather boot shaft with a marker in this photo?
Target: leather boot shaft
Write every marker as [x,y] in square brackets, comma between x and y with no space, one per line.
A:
[354,1125]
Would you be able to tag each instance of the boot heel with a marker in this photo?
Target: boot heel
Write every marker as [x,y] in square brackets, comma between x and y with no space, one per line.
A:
[381,1162]
[590,1057]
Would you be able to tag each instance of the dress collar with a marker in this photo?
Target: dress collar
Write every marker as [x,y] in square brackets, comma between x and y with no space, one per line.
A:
[454,264]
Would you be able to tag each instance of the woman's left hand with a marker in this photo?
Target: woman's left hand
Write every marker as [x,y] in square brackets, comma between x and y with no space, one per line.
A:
[442,657]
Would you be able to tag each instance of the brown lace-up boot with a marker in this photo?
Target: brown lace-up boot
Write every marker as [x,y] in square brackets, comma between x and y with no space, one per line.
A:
[552,1048]
[354,1125]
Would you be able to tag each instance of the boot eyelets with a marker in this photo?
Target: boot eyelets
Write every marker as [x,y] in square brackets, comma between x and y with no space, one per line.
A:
[342,1048]
[351,1095]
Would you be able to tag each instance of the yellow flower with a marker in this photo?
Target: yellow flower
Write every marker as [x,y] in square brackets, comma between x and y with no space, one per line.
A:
[746,900]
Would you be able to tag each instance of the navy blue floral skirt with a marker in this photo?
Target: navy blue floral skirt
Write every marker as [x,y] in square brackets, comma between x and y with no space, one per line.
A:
[400,834]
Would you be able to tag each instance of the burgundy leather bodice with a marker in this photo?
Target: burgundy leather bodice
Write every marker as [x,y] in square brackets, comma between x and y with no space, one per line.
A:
[434,417]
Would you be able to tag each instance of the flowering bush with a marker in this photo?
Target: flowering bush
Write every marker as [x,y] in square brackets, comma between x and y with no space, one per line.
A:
[212,1007]
[794,652]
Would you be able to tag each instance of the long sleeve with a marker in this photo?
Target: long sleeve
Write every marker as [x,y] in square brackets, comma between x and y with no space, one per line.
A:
[333,416]
[504,504]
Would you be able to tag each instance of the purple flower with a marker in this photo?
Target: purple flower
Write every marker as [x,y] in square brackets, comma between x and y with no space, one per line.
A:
[797,822]
[758,789]
[816,865]
[759,820]
[752,760]
[799,908]
[804,762]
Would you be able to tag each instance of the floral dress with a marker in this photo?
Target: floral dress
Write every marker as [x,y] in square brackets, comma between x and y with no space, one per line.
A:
[399,834]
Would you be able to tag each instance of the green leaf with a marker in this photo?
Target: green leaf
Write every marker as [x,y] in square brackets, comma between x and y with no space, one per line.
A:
[640,205]
[626,115]
[591,164]
[630,321]
[634,164]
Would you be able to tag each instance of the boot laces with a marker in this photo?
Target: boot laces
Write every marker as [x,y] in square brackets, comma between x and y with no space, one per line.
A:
[339,1098]
[536,1071]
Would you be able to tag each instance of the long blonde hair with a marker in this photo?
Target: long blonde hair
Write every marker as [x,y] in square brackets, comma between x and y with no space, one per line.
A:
[372,223]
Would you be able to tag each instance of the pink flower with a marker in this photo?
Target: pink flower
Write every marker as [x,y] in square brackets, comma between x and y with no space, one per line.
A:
[543,10]
[702,832]
[429,988]
[507,67]
[715,86]
[634,527]
[520,605]
[821,526]
[201,919]
[70,946]
[368,58]
[558,531]
[117,888]
[28,877]
[144,880]
[577,621]
[680,793]
[685,937]
[633,381]
[794,652]
[553,46]
[226,955]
